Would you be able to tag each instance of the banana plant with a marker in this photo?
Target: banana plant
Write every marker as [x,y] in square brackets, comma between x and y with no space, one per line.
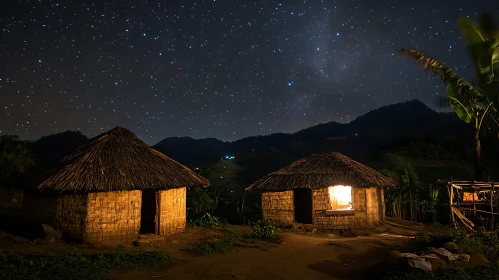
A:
[483,45]
[471,102]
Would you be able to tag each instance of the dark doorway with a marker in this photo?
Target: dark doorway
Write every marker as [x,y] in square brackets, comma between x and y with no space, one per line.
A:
[303,205]
[381,210]
[148,212]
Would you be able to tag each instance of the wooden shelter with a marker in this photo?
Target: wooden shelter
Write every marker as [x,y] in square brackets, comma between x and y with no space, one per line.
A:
[330,191]
[472,202]
[110,189]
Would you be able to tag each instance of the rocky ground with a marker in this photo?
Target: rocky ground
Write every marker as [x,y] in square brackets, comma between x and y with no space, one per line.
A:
[432,259]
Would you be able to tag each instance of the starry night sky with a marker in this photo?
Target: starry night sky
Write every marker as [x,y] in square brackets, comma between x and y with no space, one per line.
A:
[217,68]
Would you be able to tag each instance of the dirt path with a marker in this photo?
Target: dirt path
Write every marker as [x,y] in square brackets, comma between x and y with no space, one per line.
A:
[300,256]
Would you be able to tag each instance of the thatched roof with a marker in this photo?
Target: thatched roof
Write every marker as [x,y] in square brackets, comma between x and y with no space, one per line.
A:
[115,160]
[323,170]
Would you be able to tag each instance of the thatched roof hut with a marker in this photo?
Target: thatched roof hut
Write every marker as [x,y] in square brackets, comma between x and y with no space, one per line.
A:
[109,189]
[323,170]
[116,161]
[330,191]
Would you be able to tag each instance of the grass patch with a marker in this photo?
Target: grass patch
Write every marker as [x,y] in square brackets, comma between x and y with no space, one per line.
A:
[75,265]
[482,273]
[261,236]
[227,242]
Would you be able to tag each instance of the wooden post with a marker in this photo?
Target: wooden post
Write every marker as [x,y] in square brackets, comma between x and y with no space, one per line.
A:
[474,205]
[451,196]
[492,206]
[157,221]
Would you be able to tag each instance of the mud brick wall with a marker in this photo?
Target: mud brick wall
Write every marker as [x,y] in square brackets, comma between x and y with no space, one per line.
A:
[278,206]
[71,216]
[360,220]
[40,208]
[374,216]
[383,206]
[113,217]
[173,211]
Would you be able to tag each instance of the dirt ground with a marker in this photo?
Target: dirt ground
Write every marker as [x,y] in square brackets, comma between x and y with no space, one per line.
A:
[299,256]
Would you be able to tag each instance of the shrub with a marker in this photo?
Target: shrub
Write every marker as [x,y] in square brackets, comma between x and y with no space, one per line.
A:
[264,231]
[210,221]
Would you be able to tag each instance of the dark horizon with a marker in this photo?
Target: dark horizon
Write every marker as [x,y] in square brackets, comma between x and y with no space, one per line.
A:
[438,110]
[217,70]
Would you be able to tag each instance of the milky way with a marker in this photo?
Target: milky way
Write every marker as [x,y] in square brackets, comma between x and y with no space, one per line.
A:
[223,69]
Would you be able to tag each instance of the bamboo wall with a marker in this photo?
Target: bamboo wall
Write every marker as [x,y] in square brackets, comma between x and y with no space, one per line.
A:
[173,211]
[113,217]
[383,206]
[365,205]
[278,206]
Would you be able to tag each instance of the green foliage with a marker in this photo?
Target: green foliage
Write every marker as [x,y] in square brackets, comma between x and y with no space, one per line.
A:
[15,157]
[229,202]
[482,45]
[200,201]
[208,220]
[413,199]
[471,102]
[75,265]
[264,231]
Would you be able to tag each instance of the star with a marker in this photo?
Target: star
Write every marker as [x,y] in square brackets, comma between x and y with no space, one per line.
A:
[226,69]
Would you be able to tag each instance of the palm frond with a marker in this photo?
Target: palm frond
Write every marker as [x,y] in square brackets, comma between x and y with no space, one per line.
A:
[447,75]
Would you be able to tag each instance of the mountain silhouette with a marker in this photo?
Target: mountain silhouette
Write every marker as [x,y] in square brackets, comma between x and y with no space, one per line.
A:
[362,136]
[366,133]
[51,146]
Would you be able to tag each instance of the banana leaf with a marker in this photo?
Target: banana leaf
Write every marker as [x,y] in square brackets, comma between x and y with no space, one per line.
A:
[494,49]
[463,108]
[479,48]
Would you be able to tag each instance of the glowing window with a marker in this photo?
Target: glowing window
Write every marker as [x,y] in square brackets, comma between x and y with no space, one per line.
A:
[340,197]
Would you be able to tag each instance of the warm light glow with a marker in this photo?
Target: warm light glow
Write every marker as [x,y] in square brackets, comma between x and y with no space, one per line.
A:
[340,197]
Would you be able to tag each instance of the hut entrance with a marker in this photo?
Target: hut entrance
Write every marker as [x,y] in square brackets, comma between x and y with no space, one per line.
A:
[148,212]
[303,205]
[379,196]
